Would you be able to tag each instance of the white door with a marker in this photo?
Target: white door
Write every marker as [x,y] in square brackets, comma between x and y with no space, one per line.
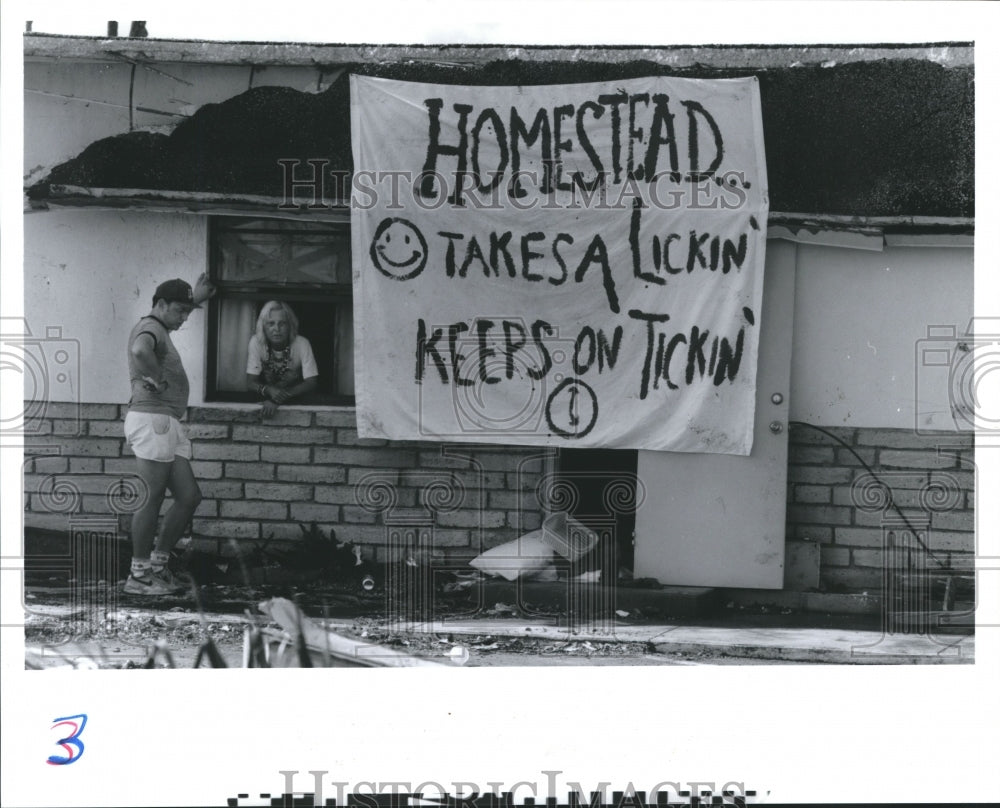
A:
[719,520]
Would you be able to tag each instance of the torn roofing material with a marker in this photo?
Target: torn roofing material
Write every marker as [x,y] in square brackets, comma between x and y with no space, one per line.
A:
[893,137]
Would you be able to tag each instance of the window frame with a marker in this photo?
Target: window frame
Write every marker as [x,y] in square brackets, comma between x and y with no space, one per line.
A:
[329,293]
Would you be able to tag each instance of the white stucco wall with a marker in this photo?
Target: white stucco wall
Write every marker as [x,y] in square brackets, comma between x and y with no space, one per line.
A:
[860,318]
[93,273]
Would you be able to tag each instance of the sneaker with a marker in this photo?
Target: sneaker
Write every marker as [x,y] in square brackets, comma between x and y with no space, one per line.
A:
[178,577]
[153,583]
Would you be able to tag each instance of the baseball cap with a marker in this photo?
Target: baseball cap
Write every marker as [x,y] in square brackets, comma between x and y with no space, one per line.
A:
[175,291]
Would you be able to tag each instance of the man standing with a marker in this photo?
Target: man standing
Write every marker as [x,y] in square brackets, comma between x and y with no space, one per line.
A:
[158,438]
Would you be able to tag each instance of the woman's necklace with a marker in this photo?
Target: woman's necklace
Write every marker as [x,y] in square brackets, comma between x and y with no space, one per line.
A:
[277,363]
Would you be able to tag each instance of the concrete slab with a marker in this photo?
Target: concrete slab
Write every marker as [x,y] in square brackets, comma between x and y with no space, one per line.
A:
[805,645]
[836,646]
[820,645]
[590,601]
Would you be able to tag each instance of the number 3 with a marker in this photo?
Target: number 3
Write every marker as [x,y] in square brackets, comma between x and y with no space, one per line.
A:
[71,743]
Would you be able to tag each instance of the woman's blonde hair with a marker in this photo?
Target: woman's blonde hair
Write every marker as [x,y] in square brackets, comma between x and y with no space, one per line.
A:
[293,321]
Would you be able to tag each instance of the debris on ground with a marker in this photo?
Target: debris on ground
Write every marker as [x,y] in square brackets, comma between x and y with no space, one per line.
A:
[314,643]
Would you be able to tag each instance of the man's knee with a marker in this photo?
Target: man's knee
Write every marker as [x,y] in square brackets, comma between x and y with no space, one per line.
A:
[191,499]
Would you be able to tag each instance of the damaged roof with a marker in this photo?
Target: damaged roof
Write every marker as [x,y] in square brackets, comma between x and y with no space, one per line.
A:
[860,132]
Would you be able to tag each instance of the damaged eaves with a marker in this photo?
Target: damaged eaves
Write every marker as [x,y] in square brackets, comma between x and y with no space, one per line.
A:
[749,56]
[884,132]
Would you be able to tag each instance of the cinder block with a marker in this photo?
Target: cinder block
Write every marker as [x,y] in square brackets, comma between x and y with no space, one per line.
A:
[513,500]
[367,456]
[278,491]
[282,434]
[952,479]
[336,494]
[819,514]
[472,518]
[362,534]
[858,536]
[471,478]
[221,489]
[248,509]
[336,418]
[814,533]
[455,458]
[311,474]
[367,476]
[448,497]
[94,503]
[843,456]
[506,461]
[207,508]
[208,431]
[523,521]
[834,556]
[206,469]
[417,515]
[451,537]
[286,416]
[119,465]
[86,465]
[517,481]
[249,471]
[53,464]
[313,512]
[62,409]
[902,458]
[282,531]
[228,415]
[227,529]
[39,448]
[92,412]
[900,439]
[868,558]
[820,494]
[951,541]
[348,436]
[353,514]
[83,483]
[285,454]
[226,451]
[85,447]
[97,429]
[954,520]
[889,516]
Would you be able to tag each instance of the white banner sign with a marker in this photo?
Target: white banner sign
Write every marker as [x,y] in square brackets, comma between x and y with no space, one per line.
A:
[577,265]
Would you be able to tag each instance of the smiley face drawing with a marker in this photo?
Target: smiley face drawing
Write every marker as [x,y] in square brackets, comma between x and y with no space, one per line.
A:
[398,249]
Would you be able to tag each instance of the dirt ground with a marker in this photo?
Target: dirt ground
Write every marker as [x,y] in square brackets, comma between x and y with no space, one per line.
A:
[128,633]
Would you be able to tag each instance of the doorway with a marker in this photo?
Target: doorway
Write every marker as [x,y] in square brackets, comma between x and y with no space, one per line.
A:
[602,492]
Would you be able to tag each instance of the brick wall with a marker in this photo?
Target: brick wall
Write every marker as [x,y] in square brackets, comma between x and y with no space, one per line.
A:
[261,481]
[846,511]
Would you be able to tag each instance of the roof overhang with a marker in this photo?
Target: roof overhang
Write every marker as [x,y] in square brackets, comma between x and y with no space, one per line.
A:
[899,157]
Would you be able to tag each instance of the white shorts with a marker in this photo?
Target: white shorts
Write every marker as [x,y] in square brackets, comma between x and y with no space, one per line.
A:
[156,436]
